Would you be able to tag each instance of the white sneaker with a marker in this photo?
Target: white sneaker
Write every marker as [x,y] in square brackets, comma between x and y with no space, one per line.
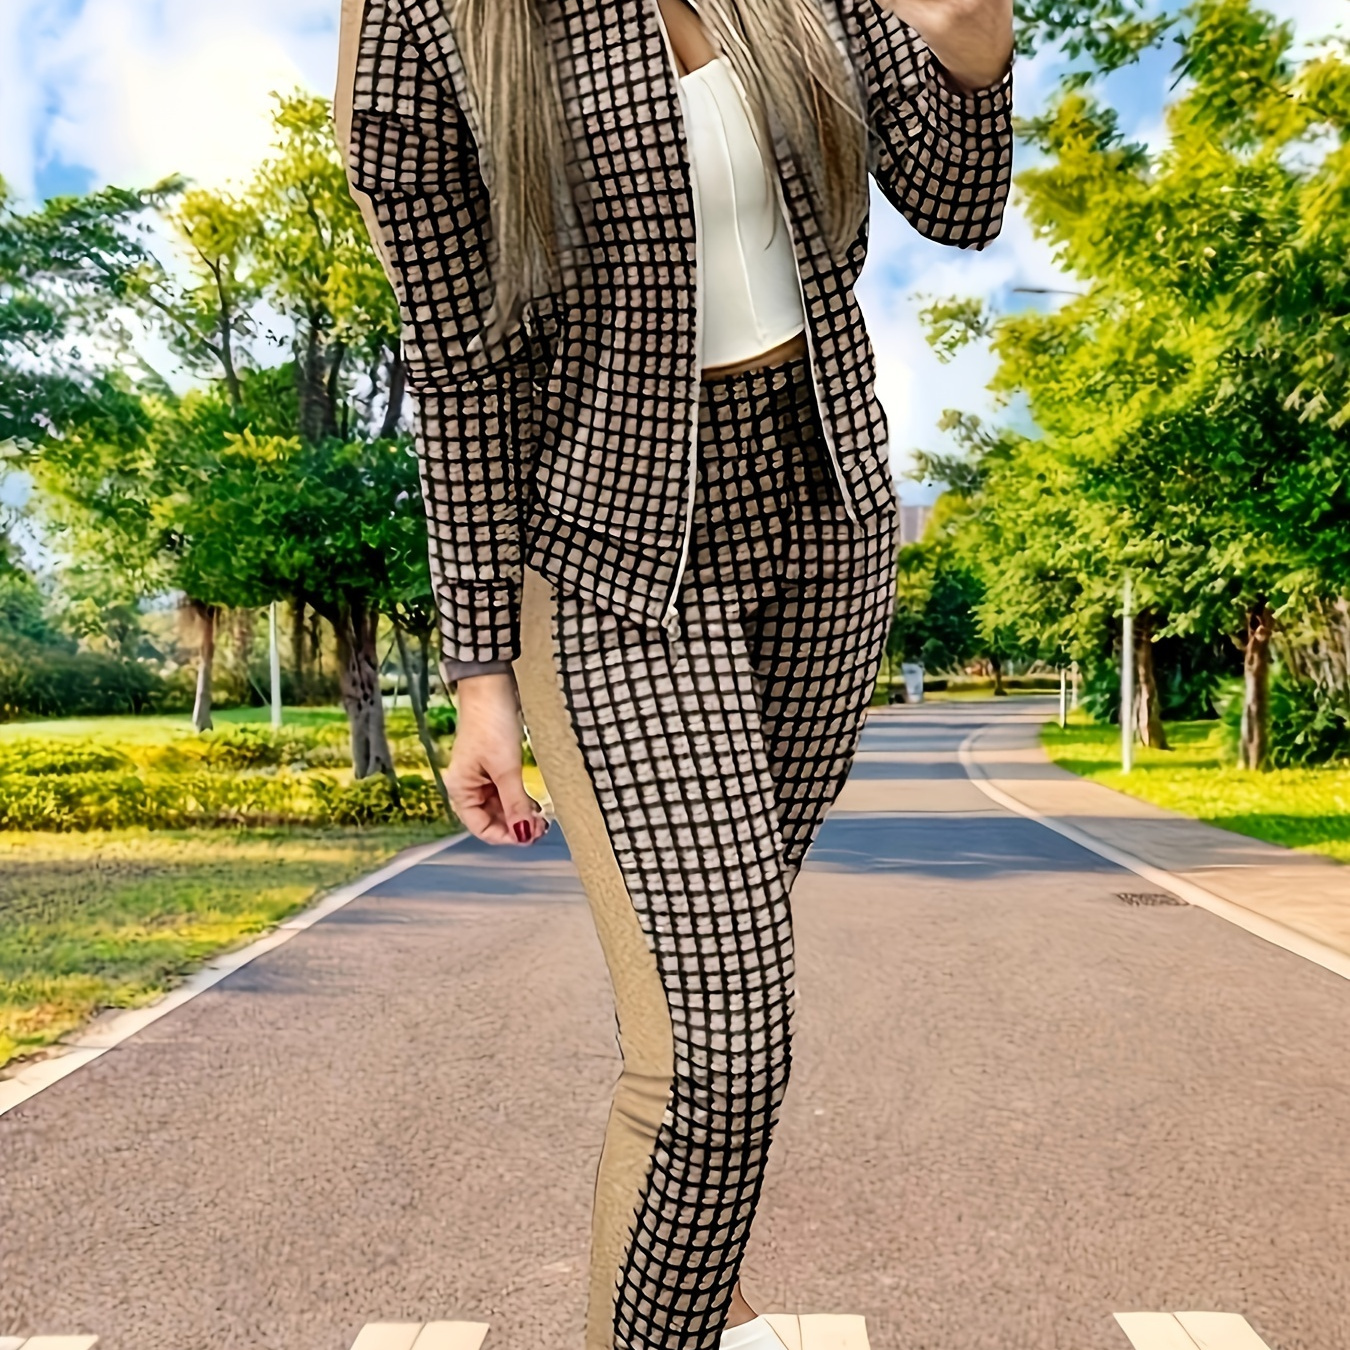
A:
[756,1334]
[788,1331]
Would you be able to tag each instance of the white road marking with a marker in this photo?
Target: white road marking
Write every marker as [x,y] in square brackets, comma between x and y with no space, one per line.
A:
[88,1046]
[55,1343]
[1189,1331]
[1257,924]
[387,1336]
[1220,1331]
[1154,1331]
[421,1336]
[451,1336]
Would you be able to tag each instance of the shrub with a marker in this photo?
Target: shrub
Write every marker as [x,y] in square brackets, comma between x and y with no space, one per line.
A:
[39,681]
[116,800]
[441,721]
[373,801]
[32,758]
[1305,728]
[254,746]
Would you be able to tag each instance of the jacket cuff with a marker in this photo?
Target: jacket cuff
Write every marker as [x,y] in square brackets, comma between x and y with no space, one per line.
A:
[479,622]
[454,671]
[970,108]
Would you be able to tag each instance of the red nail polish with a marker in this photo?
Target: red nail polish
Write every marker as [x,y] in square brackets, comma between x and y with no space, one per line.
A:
[523,832]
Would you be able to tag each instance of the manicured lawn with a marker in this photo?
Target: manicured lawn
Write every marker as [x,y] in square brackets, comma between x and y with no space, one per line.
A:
[1299,808]
[90,921]
[158,730]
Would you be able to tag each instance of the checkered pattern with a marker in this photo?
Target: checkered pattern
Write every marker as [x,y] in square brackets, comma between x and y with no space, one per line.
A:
[714,759]
[565,441]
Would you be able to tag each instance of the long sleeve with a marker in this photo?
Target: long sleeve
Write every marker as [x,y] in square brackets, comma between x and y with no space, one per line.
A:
[941,157]
[413,168]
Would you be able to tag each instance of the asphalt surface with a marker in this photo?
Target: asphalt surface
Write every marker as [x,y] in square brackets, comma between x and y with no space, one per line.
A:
[1018,1105]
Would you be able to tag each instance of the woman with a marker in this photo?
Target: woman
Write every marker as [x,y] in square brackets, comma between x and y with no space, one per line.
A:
[624,237]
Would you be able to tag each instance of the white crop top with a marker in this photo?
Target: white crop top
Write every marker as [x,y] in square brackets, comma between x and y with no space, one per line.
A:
[752,298]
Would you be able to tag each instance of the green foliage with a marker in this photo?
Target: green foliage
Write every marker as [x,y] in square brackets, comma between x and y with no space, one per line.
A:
[38,681]
[34,758]
[374,801]
[934,621]
[1184,417]
[440,721]
[262,484]
[1190,675]
[117,799]
[23,609]
[1108,34]
[1306,729]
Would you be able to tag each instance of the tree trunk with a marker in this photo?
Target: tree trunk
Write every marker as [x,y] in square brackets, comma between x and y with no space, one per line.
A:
[359,678]
[311,387]
[298,645]
[424,670]
[996,665]
[332,388]
[397,386]
[1254,745]
[206,658]
[316,644]
[419,708]
[1148,709]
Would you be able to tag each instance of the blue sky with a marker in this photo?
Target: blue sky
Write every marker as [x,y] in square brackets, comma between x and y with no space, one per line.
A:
[130,91]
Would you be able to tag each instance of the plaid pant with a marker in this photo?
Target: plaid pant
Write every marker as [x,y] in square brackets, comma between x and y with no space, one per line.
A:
[689,776]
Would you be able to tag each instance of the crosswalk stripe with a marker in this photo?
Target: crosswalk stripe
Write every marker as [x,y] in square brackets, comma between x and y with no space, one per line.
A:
[1189,1331]
[1220,1331]
[59,1343]
[420,1336]
[451,1336]
[1154,1331]
[387,1336]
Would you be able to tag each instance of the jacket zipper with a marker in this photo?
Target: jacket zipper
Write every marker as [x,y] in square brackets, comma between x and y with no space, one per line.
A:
[849,508]
[670,620]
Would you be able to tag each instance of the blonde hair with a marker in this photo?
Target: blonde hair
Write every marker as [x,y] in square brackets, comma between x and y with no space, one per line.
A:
[781,50]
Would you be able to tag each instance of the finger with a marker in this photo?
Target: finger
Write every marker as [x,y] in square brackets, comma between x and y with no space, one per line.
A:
[479,807]
[521,811]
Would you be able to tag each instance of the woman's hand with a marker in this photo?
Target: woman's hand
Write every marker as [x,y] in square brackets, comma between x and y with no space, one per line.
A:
[972,39]
[484,779]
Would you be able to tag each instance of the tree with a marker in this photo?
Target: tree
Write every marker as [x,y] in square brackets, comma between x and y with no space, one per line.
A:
[269,482]
[1185,422]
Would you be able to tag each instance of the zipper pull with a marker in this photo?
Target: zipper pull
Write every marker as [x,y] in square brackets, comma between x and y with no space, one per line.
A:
[675,641]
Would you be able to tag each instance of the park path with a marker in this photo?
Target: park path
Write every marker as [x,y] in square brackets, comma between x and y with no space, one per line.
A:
[1018,1106]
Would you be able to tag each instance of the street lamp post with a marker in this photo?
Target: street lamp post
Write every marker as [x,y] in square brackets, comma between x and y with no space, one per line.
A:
[1127,681]
[275,661]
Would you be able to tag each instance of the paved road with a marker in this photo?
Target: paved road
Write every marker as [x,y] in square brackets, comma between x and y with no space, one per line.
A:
[1018,1106]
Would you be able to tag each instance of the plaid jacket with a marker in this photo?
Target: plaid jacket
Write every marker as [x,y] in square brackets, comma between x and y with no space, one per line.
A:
[569,443]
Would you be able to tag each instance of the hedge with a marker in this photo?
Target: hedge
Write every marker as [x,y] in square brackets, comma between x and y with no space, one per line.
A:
[41,682]
[116,799]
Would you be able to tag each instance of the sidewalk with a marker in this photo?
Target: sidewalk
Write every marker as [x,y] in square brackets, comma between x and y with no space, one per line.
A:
[1299,891]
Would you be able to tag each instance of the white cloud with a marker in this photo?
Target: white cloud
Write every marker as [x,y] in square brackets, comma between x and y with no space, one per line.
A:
[136,91]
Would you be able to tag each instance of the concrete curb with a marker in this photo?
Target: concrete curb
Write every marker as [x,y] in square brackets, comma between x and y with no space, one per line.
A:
[86,1046]
[1257,924]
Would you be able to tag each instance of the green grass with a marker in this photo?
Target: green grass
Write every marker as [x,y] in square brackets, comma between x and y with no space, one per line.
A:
[1306,809]
[115,919]
[160,729]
